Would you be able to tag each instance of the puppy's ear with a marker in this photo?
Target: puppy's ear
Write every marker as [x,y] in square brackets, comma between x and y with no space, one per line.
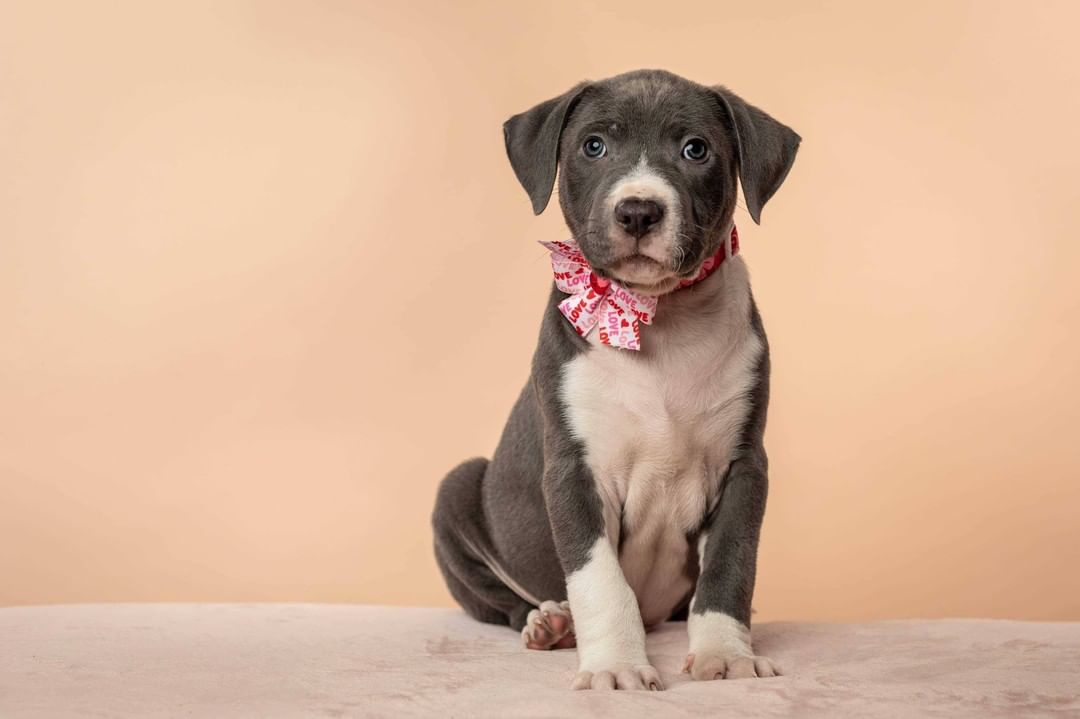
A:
[532,144]
[766,150]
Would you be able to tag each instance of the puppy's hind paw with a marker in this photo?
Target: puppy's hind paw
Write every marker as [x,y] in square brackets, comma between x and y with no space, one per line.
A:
[549,627]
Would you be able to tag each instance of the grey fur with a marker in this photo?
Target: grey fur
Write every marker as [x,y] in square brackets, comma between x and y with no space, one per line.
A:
[533,510]
[532,143]
[766,150]
[728,569]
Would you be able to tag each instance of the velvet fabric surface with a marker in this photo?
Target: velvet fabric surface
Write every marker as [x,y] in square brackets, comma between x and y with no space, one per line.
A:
[225,660]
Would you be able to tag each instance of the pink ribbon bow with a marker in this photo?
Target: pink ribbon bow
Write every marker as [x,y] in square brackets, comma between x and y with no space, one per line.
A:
[595,302]
[614,311]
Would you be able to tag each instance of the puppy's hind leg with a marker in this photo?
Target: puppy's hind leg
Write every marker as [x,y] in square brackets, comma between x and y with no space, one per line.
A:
[464,552]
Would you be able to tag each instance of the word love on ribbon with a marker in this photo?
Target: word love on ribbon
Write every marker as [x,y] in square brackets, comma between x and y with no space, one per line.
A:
[598,303]
[595,302]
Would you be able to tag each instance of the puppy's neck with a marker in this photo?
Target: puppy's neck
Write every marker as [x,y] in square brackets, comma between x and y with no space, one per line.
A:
[724,294]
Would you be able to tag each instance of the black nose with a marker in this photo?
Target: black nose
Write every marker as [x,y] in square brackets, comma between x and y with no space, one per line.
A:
[637,215]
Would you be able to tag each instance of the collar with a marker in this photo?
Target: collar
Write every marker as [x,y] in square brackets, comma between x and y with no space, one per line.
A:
[616,312]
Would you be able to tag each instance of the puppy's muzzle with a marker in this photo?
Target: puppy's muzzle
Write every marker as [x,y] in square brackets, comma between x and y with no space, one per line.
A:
[638,215]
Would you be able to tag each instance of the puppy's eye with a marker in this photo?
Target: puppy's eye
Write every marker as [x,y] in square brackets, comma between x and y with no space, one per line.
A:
[594,147]
[695,150]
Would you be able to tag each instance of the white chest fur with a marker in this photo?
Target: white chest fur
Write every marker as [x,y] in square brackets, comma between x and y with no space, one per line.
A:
[659,427]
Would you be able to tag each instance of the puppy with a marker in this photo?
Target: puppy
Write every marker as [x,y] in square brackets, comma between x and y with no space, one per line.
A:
[629,484]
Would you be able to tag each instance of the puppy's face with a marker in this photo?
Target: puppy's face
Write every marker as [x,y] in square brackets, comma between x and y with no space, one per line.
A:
[649,170]
[648,178]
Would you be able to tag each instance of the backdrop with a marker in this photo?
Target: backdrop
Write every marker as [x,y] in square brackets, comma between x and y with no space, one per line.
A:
[262,267]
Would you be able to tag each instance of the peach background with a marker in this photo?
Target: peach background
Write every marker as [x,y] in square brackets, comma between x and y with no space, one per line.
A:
[262,269]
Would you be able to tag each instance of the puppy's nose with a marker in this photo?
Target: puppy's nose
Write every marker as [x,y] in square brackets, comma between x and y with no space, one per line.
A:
[636,215]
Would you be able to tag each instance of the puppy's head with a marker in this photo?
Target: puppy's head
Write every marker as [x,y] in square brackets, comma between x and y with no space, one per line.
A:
[648,164]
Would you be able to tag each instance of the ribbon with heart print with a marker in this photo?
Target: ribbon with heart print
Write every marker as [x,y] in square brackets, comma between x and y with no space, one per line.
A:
[615,312]
[596,302]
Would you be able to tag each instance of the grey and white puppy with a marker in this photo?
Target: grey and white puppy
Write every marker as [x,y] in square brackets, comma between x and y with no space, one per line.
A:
[629,486]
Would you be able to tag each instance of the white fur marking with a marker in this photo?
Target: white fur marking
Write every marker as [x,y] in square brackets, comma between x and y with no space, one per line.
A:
[606,617]
[642,181]
[660,426]
[718,634]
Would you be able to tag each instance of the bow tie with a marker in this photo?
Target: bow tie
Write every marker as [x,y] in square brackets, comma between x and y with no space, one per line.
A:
[614,311]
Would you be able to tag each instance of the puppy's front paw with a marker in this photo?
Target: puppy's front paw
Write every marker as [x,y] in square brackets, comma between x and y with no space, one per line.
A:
[720,665]
[620,676]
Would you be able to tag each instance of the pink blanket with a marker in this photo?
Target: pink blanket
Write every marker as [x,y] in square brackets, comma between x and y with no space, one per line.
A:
[341,661]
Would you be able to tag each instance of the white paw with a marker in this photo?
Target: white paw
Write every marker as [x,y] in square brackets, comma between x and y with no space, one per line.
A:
[719,665]
[549,627]
[620,676]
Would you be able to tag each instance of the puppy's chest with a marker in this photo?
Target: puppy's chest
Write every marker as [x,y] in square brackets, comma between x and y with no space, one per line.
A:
[659,429]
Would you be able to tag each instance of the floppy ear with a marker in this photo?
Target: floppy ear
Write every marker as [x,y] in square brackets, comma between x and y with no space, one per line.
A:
[532,144]
[766,150]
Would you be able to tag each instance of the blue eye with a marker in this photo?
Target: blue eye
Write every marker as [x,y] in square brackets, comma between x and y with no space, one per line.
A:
[594,147]
[695,150]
